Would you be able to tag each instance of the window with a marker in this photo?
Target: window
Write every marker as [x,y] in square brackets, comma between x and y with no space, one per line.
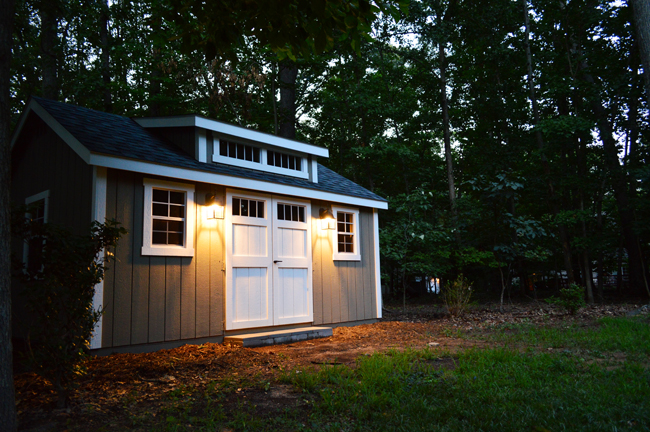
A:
[37,211]
[169,215]
[290,212]
[283,160]
[259,158]
[346,241]
[239,151]
[248,208]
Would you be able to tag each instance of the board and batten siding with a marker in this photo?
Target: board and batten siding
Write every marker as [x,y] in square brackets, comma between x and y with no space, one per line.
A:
[344,291]
[157,299]
[42,161]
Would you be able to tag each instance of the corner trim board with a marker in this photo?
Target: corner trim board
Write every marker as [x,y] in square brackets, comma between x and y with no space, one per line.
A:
[100,189]
[375,222]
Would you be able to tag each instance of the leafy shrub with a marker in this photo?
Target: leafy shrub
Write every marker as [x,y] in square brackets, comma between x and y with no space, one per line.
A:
[572,298]
[457,296]
[59,293]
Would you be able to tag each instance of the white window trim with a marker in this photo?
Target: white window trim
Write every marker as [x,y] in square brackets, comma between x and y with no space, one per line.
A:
[187,250]
[262,164]
[347,256]
[45,195]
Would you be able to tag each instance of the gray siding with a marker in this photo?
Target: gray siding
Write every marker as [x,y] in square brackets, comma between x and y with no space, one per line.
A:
[160,299]
[344,291]
[164,299]
[42,161]
[183,137]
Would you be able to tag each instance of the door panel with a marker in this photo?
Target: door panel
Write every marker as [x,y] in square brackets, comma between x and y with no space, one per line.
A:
[249,262]
[294,303]
[250,294]
[268,261]
[292,243]
[292,277]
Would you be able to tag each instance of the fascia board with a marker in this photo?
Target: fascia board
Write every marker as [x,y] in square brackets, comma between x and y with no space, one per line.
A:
[234,131]
[229,181]
[62,132]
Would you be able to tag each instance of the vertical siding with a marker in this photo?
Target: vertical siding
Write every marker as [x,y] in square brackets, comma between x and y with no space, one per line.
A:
[217,279]
[156,299]
[188,298]
[182,137]
[203,264]
[109,276]
[157,277]
[41,161]
[141,265]
[316,266]
[123,263]
[172,298]
[344,291]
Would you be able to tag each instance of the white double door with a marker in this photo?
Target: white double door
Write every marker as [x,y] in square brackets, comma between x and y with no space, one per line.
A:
[268,261]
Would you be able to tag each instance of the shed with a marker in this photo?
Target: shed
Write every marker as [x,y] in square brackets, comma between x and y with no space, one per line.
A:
[230,230]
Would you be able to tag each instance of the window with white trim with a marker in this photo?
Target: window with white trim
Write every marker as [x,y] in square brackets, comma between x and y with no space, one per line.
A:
[346,237]
[169,218]
[259,158]
[37,212]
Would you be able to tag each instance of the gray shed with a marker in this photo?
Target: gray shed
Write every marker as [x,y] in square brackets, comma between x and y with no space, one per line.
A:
[231,231]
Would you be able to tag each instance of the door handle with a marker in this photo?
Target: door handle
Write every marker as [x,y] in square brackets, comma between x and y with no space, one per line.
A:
[277,261]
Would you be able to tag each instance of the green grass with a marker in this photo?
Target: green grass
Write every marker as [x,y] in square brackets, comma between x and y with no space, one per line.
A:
[627,335]
[593,379]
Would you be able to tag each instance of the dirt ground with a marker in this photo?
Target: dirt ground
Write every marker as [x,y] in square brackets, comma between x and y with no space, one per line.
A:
[122,387]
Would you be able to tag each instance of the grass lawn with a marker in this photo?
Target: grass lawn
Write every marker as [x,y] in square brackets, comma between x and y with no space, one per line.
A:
[567,378]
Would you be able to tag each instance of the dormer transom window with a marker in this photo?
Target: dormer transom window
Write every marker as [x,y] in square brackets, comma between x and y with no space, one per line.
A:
[283,160]
[239,151]
[260,158]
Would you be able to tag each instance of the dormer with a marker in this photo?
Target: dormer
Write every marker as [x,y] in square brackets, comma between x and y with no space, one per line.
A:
[210,141]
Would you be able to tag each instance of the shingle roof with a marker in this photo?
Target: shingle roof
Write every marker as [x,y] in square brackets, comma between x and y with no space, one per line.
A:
[120,136]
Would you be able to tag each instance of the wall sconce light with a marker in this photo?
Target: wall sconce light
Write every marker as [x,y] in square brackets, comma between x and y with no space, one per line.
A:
[327,221]
[214,208]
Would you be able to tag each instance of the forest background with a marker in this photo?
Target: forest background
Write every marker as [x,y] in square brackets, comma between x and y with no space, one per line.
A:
[510,137]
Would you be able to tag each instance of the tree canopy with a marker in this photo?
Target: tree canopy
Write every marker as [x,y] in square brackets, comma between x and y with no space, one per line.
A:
[510,138]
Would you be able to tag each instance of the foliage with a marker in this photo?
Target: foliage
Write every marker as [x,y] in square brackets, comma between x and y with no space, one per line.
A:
[59,295]
[290,28]
[457,295]
[536,192]
[571,298]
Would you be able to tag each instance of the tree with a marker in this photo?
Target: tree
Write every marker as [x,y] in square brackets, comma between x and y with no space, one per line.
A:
[59,294]
[7,400]
[641,12]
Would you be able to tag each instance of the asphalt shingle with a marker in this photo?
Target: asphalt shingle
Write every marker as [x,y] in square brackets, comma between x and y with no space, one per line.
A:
[120,136]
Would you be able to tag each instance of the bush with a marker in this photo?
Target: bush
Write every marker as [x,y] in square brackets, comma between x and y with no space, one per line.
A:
[572,298]
[59,294]
[457,296]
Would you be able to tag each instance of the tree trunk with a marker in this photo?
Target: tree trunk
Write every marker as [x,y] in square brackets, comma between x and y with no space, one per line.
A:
[7,399]
[106,48]
[641,13]
[288,75]
[626,212]
[47,12]
[564,238]
[442,57]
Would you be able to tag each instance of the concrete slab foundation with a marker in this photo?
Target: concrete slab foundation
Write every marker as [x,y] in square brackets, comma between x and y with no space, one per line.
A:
[278,337]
